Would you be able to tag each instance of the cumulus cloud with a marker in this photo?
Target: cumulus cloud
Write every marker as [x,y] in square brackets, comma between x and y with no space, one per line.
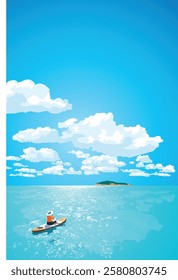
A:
[67,163]
[165,169]
[37,135]
[168,168]
[44,154]
[161,174]
[26,170]
[7,167]
[60,162]
[79,154]
[154,166]
[140,164]
[23,175]
[60,169]
[136,172]
[26,96]
[13,158]
[17,164]
[100,133]
[68,123]
[102,163]
[54,170]
[72,171]
[144,159]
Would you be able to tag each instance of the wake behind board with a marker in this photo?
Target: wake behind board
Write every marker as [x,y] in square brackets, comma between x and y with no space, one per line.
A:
[44,227]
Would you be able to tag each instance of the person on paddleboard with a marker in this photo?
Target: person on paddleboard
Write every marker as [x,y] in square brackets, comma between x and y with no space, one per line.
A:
[50,218]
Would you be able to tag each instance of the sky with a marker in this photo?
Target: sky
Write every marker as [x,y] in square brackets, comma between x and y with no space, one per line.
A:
[92,92]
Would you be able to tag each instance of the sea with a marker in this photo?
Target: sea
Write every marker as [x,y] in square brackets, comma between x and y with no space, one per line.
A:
[103,223]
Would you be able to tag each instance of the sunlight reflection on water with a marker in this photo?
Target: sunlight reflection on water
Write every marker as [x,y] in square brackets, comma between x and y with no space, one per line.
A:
[98,219]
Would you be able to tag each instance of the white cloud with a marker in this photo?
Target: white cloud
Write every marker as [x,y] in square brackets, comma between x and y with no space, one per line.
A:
[67,123]
[169,169]
[13,158]
[37,135]
[161,174]
[136,172]
[39,174]
[54,170]
[102,163]
[7,167]
[23,175]
[17,164]
[79,154]
[144,159]
[154,166]
[26,170]
[100,133]
[165,169]
[60,162]
[71,171]
[67,164]
[26,96]
[140,164]
[44,154]
[60,169]
[131,162]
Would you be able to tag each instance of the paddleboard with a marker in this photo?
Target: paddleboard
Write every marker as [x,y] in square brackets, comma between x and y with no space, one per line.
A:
[44,227]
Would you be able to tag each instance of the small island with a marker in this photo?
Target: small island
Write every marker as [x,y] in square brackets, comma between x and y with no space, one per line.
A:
[111,183]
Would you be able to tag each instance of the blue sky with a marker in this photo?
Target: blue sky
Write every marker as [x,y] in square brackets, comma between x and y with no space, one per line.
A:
[92,92]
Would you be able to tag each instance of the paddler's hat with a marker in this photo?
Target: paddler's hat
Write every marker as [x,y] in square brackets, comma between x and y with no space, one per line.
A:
[50,213]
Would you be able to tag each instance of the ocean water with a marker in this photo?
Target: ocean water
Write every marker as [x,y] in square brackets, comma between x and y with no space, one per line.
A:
[103,222]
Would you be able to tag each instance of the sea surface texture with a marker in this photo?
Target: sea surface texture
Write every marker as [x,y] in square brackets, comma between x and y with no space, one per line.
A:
[103,222]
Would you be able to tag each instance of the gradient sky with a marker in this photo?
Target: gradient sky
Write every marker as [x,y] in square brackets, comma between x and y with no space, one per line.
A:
[111,60]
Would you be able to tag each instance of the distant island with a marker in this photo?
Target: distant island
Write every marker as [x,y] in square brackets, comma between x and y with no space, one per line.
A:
[111,183]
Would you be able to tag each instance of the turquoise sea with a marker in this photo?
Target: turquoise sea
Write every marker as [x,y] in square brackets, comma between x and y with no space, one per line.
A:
[129,223]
